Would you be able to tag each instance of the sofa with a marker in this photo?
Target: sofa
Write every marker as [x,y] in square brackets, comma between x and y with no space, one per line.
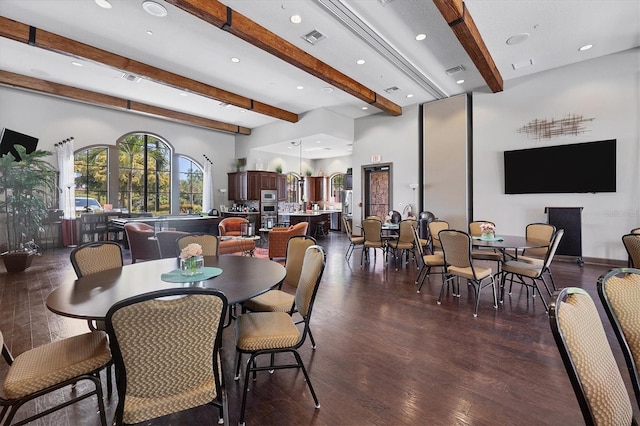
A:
[279,237]
[231,226]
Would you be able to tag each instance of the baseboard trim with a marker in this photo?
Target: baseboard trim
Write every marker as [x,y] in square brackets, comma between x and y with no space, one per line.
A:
[593,261]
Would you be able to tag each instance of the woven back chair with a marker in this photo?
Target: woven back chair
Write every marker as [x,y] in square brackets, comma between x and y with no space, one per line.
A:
[539,231]
[165,346]
[95,257]
[354,241]
[208,242]
[619,291]
[404,244]
[167,243]
[372,233]
[587,357]
[428,261]
[435,226]
[632,245]
[474,227]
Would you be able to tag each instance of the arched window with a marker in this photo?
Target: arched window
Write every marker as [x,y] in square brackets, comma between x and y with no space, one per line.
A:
[91,167]
[191,178]
[337,186]
[145,174]
[293,188]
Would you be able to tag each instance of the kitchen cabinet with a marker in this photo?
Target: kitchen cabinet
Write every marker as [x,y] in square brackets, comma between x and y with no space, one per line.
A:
[268,180]
[348,181]
[253,185]
[237,186]
[281,186]
[315,188]
[247,185]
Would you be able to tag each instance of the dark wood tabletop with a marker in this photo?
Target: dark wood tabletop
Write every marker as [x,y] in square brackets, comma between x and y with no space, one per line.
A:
[91,296]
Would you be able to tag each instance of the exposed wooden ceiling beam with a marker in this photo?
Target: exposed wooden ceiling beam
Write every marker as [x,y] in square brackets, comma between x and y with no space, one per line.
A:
[56,89]
[457,16]
[24,33]
[225,18]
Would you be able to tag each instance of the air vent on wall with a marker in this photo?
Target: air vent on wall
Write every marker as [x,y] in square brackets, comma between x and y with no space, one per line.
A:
[131,77]
[455,70]
[313,37]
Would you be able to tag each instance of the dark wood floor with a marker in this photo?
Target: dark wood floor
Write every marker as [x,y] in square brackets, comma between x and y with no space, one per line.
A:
[385,355]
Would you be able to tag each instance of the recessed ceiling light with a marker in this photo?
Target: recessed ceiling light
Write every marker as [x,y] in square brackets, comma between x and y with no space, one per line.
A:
[586,47]
[184,94]
[235,60]
[295,19]
[360,61]
[365,108]
[155,9]
[421,37]
[149,32]
[410,95]
[103,4]
[460,81]
[76,64]
[327,89]
[299,87]
[318,142]
[517,39]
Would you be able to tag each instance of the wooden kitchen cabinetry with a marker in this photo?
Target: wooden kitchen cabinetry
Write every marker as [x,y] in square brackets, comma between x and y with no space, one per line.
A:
[315,188]
[281,184]
[237,186]
[247,185]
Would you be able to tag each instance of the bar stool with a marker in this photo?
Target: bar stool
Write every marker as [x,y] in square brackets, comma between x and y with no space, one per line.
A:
[321,229]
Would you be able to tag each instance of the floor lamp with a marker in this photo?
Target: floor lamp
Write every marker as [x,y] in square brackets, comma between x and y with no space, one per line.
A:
[68,206]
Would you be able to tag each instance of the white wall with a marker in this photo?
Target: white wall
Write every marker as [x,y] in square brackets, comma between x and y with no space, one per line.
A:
[53,119]
[396,140]
[605,89]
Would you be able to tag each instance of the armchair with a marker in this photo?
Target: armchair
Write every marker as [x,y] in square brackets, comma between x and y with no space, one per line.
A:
[278,238]
[141,247]
[231,226]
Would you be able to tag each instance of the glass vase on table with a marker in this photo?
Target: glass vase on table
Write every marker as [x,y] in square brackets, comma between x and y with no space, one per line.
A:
[191,265]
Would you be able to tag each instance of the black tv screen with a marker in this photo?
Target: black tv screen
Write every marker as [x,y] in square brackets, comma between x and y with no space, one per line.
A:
[575,168]
[10,138]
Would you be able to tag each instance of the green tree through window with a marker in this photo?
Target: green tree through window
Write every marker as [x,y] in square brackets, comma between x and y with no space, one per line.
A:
[191,178]
[145,174]
[92,178]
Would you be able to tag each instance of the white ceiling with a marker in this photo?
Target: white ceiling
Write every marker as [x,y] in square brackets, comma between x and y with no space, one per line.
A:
[185,45]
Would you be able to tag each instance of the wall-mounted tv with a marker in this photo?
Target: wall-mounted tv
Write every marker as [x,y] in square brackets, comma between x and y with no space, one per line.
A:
[10,138]
[574,168]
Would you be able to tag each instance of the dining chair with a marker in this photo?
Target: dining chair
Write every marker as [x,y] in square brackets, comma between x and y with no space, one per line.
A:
[521,270]
[260,333]
[428,261]
[456,246]
[635,231]
[619,291]
[435,226]
[354,241]
[372,233]
[141,246]
[44,369]
[209,243]
[278,300]
[405,243]
[91,258]
[588,359]
[537,231]
[490,255]
[167,245]
[166,348]
[631,243]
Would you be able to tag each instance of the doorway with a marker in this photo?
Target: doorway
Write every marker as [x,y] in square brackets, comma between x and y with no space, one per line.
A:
[377,190]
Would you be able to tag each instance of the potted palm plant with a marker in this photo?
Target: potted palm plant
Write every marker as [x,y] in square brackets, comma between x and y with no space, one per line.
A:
[24,186]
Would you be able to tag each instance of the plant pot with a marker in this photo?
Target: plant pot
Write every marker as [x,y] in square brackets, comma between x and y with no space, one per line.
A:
[17,261]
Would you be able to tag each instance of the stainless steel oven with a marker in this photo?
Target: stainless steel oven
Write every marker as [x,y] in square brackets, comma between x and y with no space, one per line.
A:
[268,208]
[269,196]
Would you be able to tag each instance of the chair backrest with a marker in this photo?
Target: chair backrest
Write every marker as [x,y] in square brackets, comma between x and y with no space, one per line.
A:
[539,231]
[396,216]
[435,226]
[141,247]
[587,357]
[474,227]
[296,249]
[208,242]
[167,243]
[231,226]
[406,231]
[555,241]
[456,246]
[632,245]
[165,346]
[619,291]
[95,257]
[347,226]
[374,217]
[372,230]
[416,242]
[310,276]
[635,231]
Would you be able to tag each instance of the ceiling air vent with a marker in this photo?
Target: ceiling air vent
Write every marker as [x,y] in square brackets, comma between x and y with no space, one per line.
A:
[131,77]
[392,89]
[455,70]
[313,37]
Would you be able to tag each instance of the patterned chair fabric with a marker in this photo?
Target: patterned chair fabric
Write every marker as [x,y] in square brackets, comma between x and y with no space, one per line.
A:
[166,351]
[587,357]
[50,367]
[279,237]
[456,246]
[95,257]
[141,247]
[372,233]
[435,226]
[619,291]
[405,243]
[632,245]
[231,226]
[208,242]
[428,261]
[259,333]
[354,241]
[538,231]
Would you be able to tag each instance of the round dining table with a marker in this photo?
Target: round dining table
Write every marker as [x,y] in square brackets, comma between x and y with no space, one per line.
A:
[510,242]
[91,296]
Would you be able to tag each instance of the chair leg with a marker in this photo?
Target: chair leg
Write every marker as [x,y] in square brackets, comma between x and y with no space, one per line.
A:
[306,376]
[238,361]
[313,342]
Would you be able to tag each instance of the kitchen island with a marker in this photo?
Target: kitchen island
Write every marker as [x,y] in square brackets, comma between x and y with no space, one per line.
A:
[312,218]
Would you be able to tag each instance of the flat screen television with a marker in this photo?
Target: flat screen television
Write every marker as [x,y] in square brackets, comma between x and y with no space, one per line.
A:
[10,138]
[575,168]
